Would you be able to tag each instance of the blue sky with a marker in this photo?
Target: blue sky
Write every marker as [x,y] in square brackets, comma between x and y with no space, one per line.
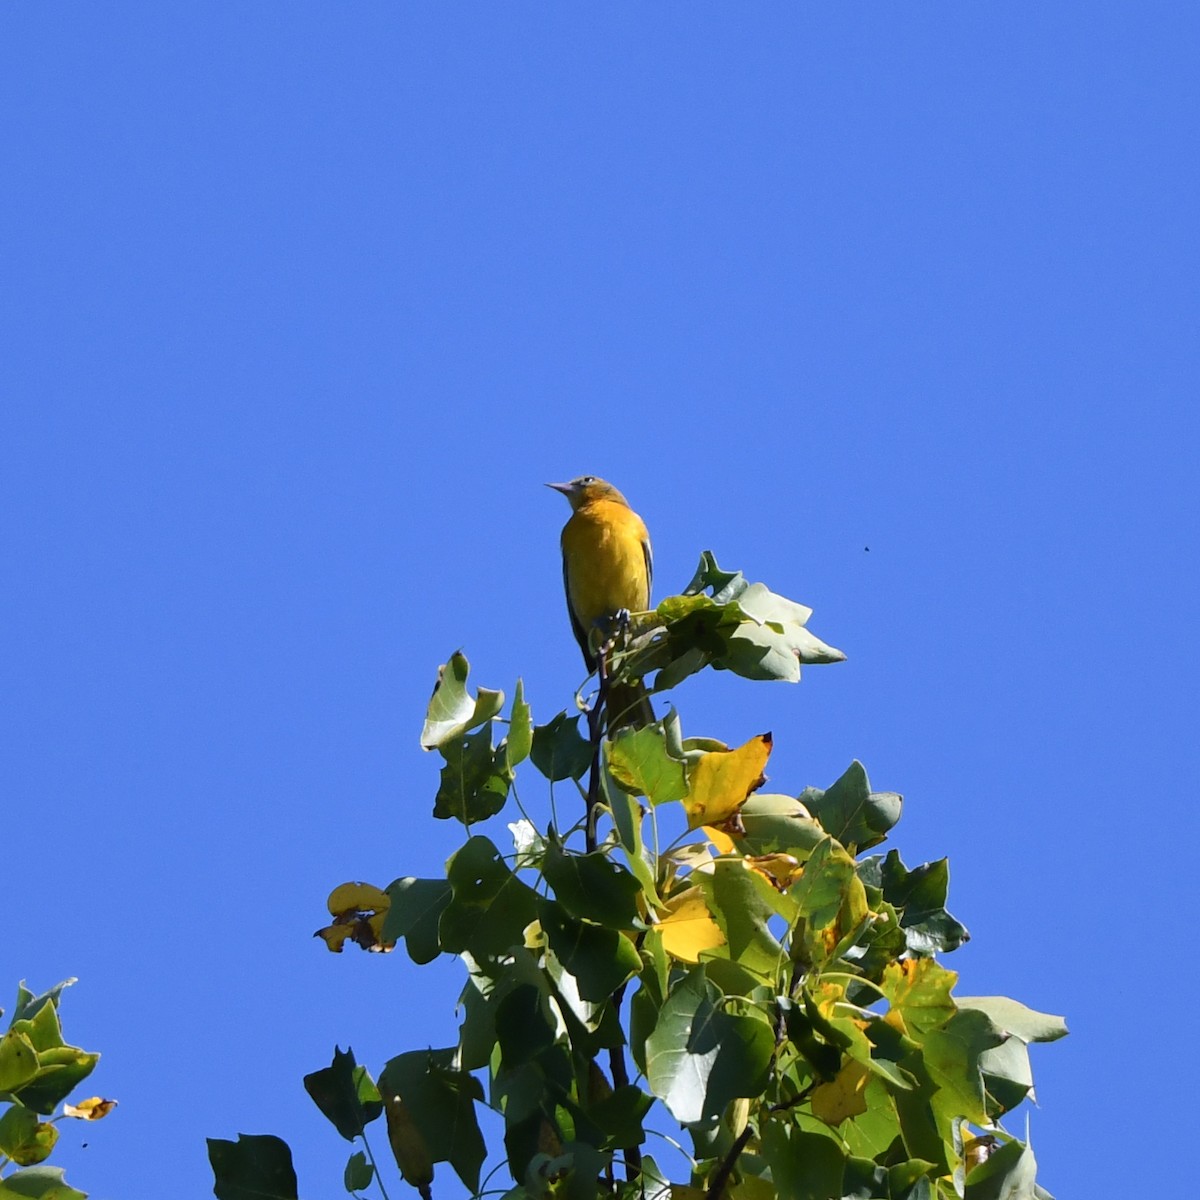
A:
[302,305]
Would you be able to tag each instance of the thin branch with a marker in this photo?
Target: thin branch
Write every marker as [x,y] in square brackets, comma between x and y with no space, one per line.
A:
[596,737]
[725,1170]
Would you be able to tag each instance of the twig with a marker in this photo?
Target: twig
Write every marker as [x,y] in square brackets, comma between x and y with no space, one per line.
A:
[596,737]
[620,1078]
[721,1178]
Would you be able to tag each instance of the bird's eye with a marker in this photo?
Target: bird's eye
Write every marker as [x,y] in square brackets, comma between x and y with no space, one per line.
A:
[588,479]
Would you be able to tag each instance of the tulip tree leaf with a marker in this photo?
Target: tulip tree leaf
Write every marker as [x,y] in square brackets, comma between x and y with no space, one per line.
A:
[592,887]
[25,1139]
[600,959]
[952,1056]
[1008,1174]
[849,811]
[920,895]
[345,1093]
[1013,1017]
[918,990]
[255,1167]
[804,1166]
[475,778]
[441,1103]
[415,908]
[742,902]
[520,730]
[559,751]
[720,781]
[779,825]
[489,907]
[699,1056]
[641,763]
[453,711]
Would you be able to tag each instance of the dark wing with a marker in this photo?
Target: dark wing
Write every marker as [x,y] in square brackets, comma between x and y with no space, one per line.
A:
[580,634]
[649,568]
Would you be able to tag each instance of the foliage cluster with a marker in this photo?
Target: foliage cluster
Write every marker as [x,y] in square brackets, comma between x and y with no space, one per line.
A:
[720,961]
[38,1071]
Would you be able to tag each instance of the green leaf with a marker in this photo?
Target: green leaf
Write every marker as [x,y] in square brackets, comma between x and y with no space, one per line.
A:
[700,1057]
[415,910]
[520,730]
[952,1054]
[490,906]
[572,1174]
[741,627]
[592,887]
[779,825]
[742,902]
[255,1167]
[358,1173]
[804,1166]
[627,820]
[851,812]
[38,1183]
[28,1005]
[60,1070]
[832,903]
[920,897]
[18,1061]
[1007,1076]
[620,1115]
[475,779]
[345,1093]
[452,709]
[24,1138]
[559,751]
[1013,1017]
[918,990]
[722,585]
[523,1026]
[42,1029]
[1008,1174]
[640,763]
[600,959]
[441,1102]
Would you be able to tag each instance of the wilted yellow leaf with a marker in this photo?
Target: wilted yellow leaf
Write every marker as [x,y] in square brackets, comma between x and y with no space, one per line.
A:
[91,1109]
[335,936]
[689,927]
[359,911]
[843,1096]
[721,780]
[349,898]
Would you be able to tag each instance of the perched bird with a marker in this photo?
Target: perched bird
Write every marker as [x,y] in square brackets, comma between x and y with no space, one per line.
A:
[607,568]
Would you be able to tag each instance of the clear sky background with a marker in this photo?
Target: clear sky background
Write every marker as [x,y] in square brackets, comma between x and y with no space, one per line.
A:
[302,304]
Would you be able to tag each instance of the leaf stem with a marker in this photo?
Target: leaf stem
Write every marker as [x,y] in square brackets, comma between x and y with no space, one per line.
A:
[375,1166]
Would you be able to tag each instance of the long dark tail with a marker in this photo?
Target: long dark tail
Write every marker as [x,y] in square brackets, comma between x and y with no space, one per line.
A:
[629,705]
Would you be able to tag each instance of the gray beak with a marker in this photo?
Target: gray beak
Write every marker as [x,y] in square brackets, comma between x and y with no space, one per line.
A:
[565,488]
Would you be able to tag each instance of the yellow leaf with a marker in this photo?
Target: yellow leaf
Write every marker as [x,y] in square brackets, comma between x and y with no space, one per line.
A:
[349,898]
[721,780]
[689,927]
[91,1109]
[335,936]
[843,1096]
[719,838]
[780,870]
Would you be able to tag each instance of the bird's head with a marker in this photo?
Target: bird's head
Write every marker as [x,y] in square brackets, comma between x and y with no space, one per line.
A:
[586,490]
